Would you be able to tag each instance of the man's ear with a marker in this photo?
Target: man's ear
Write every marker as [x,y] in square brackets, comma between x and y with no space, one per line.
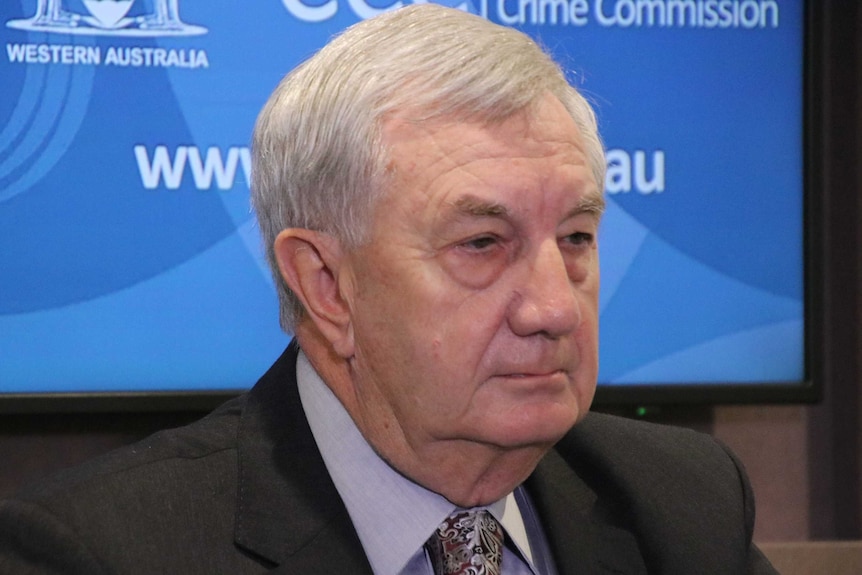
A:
[310,262]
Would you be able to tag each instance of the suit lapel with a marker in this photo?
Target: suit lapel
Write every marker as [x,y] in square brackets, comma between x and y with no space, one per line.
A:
[582,540]
[288,510]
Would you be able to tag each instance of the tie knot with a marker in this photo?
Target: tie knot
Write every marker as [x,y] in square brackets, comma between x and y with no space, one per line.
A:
[467,542]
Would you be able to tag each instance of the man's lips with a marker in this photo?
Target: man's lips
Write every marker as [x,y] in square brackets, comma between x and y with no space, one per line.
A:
[534,379]
[528,374]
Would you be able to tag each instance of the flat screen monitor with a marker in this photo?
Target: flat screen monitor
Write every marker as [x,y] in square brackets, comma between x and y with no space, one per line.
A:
[131,272]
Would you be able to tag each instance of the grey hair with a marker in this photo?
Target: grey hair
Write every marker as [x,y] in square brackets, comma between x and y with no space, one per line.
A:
[318,160]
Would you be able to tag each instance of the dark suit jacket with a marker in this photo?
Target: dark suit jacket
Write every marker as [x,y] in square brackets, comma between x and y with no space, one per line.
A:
[245,490]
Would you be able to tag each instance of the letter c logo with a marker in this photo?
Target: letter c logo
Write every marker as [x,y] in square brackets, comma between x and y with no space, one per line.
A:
[311,13]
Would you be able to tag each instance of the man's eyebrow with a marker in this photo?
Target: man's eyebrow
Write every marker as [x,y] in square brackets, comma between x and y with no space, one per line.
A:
[477,207]
[592,204]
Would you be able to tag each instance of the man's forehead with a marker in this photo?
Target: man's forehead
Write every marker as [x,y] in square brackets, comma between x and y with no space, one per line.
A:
[414,122]
[448,158]
[411,144]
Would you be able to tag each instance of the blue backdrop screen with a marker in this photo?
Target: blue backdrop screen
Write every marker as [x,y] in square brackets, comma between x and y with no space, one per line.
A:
[129,258]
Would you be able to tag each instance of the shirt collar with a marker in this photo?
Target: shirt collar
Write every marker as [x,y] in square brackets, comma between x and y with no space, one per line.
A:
[392,515]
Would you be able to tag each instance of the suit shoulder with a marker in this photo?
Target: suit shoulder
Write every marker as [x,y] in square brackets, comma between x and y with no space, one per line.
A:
[637,443]
[664,481]
[170,492]
[149,460]
[661,460]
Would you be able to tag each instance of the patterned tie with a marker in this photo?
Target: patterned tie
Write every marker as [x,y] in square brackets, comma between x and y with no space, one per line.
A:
[467,543]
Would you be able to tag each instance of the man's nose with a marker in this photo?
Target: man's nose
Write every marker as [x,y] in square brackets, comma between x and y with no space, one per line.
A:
[545,300]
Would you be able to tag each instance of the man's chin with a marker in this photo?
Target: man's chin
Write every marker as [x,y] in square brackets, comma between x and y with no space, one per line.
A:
[541,422]
[538,430]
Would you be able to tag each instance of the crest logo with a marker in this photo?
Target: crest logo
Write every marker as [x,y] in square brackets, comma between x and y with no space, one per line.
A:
[108,18]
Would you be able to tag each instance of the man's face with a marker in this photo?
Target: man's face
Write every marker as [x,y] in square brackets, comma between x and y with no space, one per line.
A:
[474,304]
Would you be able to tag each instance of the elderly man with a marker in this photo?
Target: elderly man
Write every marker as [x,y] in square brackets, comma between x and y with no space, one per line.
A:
[429,189]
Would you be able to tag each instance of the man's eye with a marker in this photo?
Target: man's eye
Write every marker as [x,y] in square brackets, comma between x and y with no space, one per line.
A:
[480,243]
[580,239]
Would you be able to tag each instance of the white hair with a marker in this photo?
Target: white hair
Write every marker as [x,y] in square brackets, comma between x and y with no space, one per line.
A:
[318,159]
